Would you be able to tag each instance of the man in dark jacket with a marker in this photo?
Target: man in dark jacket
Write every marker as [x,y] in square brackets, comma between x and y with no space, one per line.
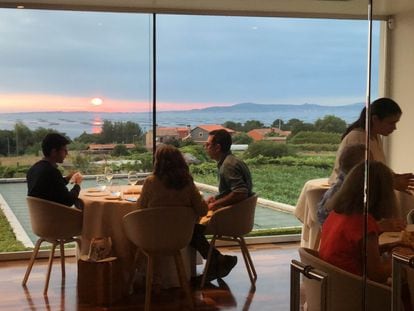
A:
[44,179]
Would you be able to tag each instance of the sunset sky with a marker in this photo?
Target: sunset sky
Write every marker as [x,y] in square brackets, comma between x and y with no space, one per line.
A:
[62,61]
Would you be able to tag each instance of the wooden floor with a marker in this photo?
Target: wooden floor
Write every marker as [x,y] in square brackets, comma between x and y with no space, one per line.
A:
[272,262]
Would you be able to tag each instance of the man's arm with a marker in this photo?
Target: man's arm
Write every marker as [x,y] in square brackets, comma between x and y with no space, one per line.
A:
[229,199]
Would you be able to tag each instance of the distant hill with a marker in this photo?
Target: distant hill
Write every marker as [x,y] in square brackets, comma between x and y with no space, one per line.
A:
[252,107]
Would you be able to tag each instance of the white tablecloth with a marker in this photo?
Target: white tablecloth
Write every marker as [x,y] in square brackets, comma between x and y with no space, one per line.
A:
[103,217]
[306,209]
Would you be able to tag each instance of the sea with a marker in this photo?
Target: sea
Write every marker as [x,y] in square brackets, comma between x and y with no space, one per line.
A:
[74,124]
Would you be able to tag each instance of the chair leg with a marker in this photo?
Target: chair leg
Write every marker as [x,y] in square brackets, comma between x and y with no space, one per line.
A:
[208,261]
[148,285]
[49,268]
[248,260]
[62,257]
[183,278]
[32,259]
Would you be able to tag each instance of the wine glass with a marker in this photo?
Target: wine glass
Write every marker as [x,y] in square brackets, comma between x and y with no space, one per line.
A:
[132,177]
[108,174]
[101,182]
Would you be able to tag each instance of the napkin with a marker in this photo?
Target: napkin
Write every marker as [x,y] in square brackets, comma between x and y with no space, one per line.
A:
[133,190]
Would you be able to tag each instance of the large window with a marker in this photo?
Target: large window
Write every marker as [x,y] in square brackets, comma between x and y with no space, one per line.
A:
[90,76]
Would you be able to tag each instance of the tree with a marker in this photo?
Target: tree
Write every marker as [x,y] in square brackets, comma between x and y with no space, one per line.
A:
[331,123]
[242,138]
[120,150]
[6,141]
[252,124]
[86,138]
[120,132]
[296,126]
[107,133]
[233,125]
[23,136]
[268,149]
[292,123]
[40,133]
[279,123]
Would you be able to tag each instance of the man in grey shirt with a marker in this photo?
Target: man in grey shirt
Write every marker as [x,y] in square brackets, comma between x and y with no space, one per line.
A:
[235,185]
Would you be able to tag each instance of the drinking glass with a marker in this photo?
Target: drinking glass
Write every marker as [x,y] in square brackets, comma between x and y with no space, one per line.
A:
[101,182]
[108,174]
[132,177]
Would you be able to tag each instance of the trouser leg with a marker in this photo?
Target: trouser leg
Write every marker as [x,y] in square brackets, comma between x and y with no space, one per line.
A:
[200,243]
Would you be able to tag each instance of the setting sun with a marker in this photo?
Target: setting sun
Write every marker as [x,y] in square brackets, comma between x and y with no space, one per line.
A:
[96,101]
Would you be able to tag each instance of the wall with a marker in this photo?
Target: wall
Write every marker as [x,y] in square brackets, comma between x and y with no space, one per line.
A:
[401,88]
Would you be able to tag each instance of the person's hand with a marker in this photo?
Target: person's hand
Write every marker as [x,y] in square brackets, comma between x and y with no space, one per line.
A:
[404,182]
[69,176]
[392,224]
[211,206]
[76,178]
[210,199]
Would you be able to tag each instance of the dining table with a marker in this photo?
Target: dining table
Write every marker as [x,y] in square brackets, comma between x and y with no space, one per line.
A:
[103,213]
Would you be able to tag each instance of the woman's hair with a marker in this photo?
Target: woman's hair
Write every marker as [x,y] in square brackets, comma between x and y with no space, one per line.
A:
[381,107]
[171,168]
[350,198]
[350,156]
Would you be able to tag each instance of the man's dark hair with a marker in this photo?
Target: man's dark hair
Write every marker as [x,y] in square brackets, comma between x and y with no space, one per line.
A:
[53,141]
[222,138]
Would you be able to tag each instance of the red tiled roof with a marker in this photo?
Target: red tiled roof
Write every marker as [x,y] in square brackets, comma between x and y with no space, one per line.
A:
[212,127]
[172,131]
[259,134]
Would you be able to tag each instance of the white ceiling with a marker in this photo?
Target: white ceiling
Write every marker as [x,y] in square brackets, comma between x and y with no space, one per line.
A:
[290,8]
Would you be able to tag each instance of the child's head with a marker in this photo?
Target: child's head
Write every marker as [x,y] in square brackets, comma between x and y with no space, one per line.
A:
[350,156]
[350,198]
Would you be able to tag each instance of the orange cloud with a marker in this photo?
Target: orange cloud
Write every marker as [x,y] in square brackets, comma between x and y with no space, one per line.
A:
[47,102]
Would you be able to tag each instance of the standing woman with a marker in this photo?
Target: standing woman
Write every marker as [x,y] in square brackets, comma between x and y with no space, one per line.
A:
[385,114]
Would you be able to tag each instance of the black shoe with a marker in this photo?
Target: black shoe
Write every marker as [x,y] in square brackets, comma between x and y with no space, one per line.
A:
[220,267]
[226,264]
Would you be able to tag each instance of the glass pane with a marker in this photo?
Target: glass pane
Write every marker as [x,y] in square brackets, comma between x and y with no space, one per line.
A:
[84,74]
[274,82]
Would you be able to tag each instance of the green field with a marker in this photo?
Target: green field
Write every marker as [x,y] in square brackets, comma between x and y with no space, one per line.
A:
[281,183]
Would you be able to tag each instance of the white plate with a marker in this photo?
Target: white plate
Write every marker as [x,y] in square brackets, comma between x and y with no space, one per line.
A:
[131,199]
[95,194]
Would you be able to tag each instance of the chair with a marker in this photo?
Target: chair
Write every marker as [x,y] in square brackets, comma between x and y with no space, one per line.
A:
[161,231]
[54,223]
[410,217]
[232,223]
[343,291]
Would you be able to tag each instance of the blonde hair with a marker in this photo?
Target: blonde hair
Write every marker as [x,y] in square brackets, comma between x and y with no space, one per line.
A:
[350,198]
